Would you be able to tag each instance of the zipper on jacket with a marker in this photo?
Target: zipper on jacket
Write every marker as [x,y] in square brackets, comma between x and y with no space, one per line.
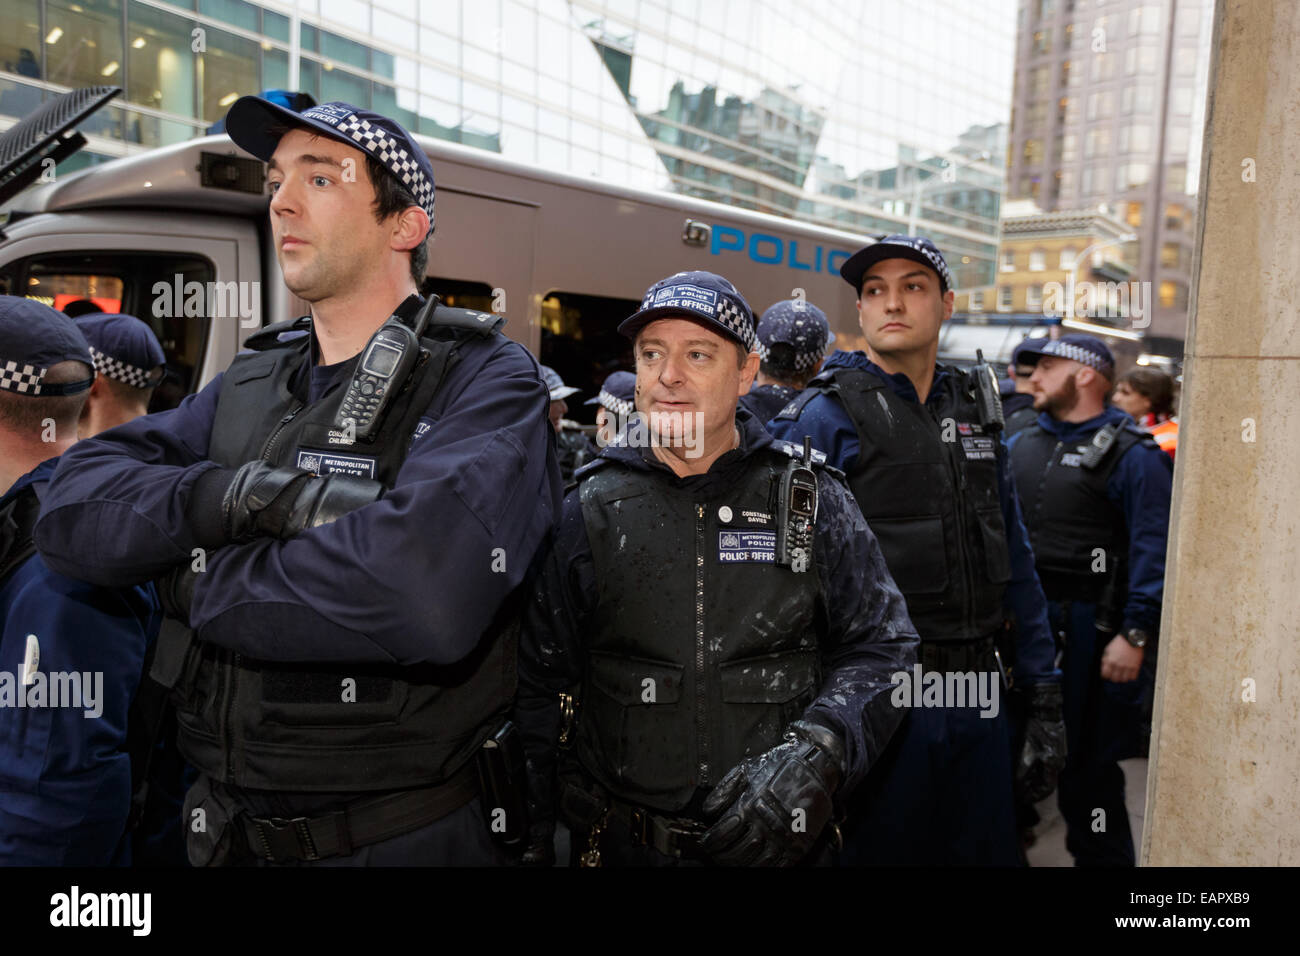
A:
[268,450]
[701,697]
[967,575]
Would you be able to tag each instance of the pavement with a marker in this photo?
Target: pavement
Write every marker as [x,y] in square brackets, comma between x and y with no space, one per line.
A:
[1049,848]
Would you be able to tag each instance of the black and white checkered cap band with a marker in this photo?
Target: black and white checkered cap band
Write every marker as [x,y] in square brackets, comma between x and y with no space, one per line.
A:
[131,375]
[1079,354]
[394,155]
[22,378]
[712,303]
[619,406]
[802,360]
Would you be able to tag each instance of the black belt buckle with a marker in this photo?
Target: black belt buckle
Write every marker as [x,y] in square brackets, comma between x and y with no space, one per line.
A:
[284,838]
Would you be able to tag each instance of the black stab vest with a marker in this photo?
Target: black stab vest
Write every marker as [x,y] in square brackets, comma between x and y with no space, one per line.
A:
[1067,512]
[699,651]
[926,480]
[285,726]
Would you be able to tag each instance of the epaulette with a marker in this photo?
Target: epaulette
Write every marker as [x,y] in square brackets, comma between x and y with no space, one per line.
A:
[590,468]
[268,337]
[818,458]
[485,324]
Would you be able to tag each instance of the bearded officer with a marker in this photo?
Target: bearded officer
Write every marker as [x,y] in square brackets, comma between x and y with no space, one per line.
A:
[727,704]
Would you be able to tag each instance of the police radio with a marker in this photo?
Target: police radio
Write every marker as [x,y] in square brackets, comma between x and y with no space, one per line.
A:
[796,511]
[382,370]
[986,394]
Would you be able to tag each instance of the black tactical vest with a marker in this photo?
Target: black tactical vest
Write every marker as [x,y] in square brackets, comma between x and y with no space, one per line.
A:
[1069,517]
[926,480]
[701,649]
[285,726]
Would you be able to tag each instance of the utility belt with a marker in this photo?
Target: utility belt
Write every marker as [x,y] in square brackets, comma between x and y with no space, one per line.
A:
[360,823]
[231,834]
[586,807]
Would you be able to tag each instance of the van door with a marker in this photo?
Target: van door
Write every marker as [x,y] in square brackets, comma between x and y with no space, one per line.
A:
[490,240]
[196,279]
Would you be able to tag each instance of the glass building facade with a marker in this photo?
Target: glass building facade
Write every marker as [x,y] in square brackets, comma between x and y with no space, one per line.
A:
[872,117]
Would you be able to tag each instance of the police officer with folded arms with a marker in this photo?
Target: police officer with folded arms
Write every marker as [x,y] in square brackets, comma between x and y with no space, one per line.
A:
[71,653]
[1095,489]
[793,336]
[343,519]
[716,616]
[920,445]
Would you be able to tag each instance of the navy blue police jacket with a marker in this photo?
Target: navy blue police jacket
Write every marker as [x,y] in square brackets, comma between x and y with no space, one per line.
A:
[867,635]
[416,577]
[833,432]
[65,776]
[1141,487]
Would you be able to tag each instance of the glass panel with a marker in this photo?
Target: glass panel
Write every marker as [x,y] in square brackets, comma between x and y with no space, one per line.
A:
[18,99]
[227,70]
[275,69]
[275,26]
[232,11]
[161,69]
[395,105]
[340,85]
[342,50]
[20,40]
[83,42]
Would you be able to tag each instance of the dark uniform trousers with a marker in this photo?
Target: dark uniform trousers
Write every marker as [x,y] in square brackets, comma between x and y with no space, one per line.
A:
[941,794]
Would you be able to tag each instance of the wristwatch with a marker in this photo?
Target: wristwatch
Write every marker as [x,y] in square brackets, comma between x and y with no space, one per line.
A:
[1137,637]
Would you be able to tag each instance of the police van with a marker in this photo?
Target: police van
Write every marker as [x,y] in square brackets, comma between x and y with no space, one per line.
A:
[179,236]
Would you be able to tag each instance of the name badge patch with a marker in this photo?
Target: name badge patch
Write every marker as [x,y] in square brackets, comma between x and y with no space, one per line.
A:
[330,463]
[736,547]
[979,448]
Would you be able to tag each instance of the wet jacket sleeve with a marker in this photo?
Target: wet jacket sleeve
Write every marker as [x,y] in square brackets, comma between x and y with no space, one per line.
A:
[823,419]
[113,512]
[868,638]
[1024,600]
[550,650]
[1141,486]
[420,574]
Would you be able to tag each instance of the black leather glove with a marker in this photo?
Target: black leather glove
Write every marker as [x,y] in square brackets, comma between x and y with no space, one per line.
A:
[757,801]
[279,502]
[1043,755]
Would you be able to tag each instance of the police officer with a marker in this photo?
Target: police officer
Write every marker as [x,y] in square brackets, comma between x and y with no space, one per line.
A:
[71,653]
[1017,393]
[727,704]
[616,399]
[573,448]
[1095,490]
[920,445]
[792,340]
[130,363]
[344,535]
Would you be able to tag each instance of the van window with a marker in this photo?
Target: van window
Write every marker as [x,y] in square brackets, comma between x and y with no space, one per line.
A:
[459,293]
[580,340]
[121,281]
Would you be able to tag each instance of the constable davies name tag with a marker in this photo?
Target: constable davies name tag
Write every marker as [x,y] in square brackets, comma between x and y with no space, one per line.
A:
[330,463]
[747,546]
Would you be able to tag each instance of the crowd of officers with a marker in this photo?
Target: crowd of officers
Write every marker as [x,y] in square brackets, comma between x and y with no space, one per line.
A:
[786,609]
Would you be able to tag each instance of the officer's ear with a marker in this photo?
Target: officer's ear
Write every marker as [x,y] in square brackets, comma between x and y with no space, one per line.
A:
[949,300]
[748,370]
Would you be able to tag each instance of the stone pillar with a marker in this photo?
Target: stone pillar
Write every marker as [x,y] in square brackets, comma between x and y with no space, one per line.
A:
[1224,780]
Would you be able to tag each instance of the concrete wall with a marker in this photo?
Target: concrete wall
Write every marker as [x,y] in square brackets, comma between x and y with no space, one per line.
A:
[1224,782]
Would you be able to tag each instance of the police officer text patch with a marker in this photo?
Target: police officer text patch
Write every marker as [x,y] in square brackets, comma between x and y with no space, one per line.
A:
[736,547]
[332,463]
[979,448]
